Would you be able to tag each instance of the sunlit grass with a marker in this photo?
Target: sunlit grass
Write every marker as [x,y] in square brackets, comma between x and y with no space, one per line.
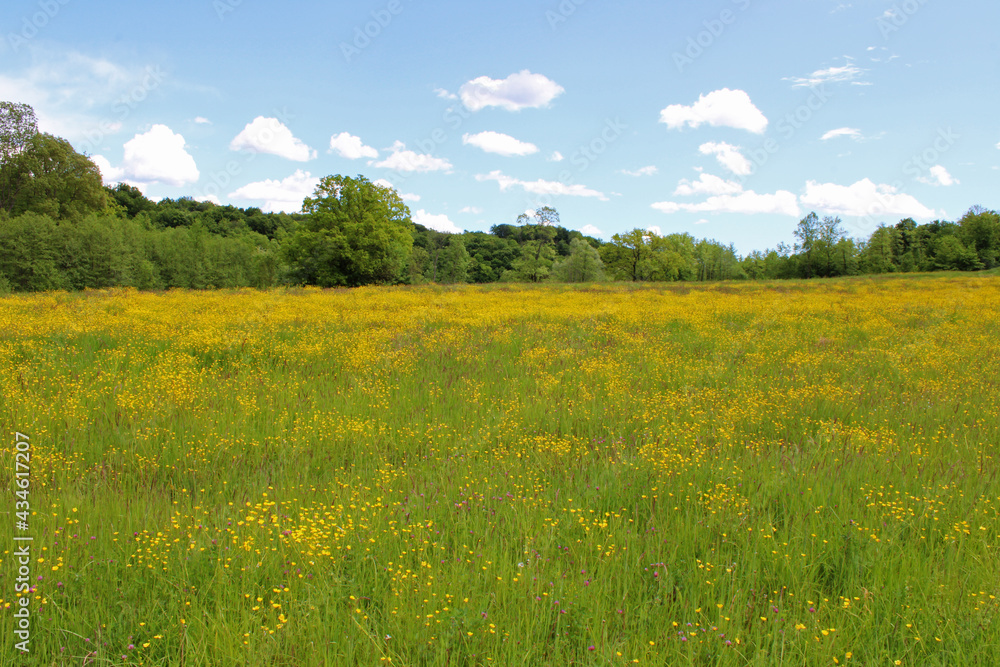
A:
[722,475]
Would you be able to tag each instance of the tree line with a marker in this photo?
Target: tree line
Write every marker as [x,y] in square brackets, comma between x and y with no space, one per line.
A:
[62,228]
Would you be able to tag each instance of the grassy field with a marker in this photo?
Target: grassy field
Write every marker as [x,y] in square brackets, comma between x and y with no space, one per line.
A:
[732,474]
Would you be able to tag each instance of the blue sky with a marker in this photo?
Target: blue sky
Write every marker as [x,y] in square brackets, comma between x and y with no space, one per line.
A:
[727,119]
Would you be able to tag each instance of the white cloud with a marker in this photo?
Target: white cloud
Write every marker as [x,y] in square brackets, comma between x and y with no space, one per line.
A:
[644,171]
[501,144]
[851,132]
[729,156]
[862,199]
[655,229]
[351,147]
[158,156]
[475,210]
[109,173]
[280,196]
[590,230]
[707,184]
[558,157]
[518,91]
[73,93]
[998,145]
[781,202]
[404,196]
[201,120]
[269,135]
[404,160]
[439,223]
[939,176]
[845,73]
[703,221]
[212,198]
[541,187]
[720,108]
[444,94]
[112,175]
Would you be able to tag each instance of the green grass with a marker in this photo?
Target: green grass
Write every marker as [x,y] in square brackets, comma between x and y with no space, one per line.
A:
[755,474]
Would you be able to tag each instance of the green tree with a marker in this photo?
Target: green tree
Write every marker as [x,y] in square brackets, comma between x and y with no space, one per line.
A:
[952,255]
[716,261]
[18,125]
[671,257]
[582,265]
[808,234]
[46,175]
[354,233]
[625,257]
[980,231]
[539,253]
[455,261]
[877,254]
[534,264]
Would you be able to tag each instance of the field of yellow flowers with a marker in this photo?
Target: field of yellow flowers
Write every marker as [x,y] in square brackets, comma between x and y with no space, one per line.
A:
[734,474]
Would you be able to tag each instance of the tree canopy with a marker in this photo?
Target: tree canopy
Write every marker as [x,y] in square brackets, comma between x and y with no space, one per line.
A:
[355,233]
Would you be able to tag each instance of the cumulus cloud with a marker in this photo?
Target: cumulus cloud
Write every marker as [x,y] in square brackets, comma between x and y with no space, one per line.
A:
[644,171]
[109,173]
[269,135]
[541,187]
[210,198]
[201,120]
[404,160]
[729,156]
[156,156]
[501,144]
[843,74]
[720,108]
[402,195]
[518,91]
[781,202]
[112,175]
[283,196]
[475,210]
[655,229]
[439,223]
[590,230]
[851,132]
[862,199]
[72,93]
[351,147]
[939,176]
[707,184]
[558,157]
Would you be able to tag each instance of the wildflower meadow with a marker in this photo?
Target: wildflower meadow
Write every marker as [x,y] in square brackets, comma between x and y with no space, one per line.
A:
[797,473]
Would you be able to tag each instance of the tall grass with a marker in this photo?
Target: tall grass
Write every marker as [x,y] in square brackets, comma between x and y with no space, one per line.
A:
[802,473]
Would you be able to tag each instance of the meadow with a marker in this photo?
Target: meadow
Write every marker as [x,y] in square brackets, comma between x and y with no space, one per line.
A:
[797,473]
